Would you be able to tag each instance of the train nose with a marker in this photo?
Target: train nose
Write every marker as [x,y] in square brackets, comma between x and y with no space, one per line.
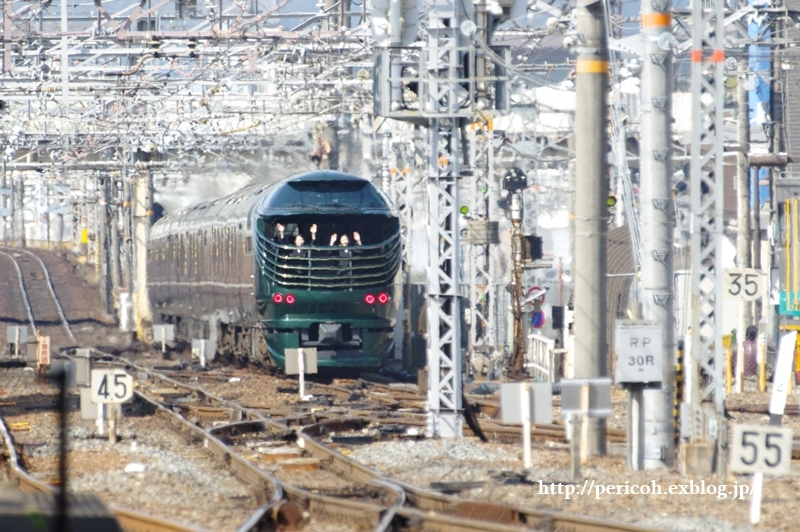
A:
[331,333]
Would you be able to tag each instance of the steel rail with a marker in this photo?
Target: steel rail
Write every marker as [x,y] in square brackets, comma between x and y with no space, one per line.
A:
[129,520]
[424,500]
[24,291]
[50,288]
[253,475]
[459,513]
[247,472]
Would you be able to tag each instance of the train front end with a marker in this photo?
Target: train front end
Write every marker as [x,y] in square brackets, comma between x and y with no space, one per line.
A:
[320,291]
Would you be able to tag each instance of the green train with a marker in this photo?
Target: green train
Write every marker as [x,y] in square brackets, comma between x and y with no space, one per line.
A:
[310,261]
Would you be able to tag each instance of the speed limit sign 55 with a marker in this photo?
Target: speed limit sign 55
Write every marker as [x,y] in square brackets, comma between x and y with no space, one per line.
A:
[760,449]
[111,386]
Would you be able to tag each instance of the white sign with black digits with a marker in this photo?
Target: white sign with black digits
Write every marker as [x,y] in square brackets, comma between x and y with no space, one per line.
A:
[111,386]
[761,449]
[743,284]
[639,349]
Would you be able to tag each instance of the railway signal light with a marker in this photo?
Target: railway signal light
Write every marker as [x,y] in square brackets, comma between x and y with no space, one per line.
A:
[369,299]
[383,298]
[277,298]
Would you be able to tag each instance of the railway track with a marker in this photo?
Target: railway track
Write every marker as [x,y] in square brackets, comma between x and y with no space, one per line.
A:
[384,404]
[300,452]
[246,434]
[35,292]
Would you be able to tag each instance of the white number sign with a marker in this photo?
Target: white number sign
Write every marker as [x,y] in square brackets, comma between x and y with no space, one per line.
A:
[743,284]
[639,347]
[761,449]
[111,386]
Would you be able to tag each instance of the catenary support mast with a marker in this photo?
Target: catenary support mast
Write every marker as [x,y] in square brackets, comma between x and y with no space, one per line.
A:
[591,216]
[658,215]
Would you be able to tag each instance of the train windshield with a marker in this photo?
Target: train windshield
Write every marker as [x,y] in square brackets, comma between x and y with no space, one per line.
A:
[348,194]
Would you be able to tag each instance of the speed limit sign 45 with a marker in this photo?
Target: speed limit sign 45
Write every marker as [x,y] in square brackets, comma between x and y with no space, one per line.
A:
[111,386]
[760,449]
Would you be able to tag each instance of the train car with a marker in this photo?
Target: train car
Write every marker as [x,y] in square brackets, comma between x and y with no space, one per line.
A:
[222,270]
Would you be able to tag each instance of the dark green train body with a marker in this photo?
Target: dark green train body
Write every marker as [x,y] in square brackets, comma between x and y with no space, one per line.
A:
[221,270]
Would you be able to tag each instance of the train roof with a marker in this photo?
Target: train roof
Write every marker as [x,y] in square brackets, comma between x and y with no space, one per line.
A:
[325,191]
[271,199]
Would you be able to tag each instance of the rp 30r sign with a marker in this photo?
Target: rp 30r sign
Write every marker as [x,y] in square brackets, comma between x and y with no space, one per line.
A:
[638,347]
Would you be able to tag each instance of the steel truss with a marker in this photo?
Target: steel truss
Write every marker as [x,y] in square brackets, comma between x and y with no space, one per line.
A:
[442,103]
[168,78]
[707,182]
[482,338]
[444,316]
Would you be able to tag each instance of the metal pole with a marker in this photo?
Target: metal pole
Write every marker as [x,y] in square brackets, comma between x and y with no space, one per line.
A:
[64,56]
[4,197]
[127,230]
[62,521]
[113,245]
[7,39]
[525,411]
[756,236]
[591,178]
[101,222]
[516,282]
[636,428]
[19,205]
[658,216]
[743,258]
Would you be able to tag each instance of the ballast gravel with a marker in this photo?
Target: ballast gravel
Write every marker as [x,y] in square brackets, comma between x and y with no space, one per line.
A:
[179,481]
[495,473]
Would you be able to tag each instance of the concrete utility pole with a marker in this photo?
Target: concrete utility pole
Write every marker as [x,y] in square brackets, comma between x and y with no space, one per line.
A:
[142,192]
[591,216]
[658,217]
[743,257]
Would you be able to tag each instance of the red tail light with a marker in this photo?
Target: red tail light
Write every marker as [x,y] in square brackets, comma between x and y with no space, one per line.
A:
[289,299]
[277,298]
[383,298]
[369,299]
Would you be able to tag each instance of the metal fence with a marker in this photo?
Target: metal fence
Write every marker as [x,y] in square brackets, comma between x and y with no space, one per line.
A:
[540,359]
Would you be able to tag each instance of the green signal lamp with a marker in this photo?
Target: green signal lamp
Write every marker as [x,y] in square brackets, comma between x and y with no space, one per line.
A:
[611,201]
[464,210]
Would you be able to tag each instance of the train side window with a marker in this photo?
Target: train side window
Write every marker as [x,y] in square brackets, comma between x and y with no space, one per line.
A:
[248,244]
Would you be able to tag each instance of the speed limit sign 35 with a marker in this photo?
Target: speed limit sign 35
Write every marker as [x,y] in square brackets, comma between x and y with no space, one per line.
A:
[743,284]
[110,386]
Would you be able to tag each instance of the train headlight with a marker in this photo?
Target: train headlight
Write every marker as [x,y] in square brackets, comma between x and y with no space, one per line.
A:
[383,298]
[278,298]
[289,299]
[369,299]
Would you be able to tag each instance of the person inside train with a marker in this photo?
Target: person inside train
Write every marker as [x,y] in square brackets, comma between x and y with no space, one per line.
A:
[345,240]
[298,242]
[280,234]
